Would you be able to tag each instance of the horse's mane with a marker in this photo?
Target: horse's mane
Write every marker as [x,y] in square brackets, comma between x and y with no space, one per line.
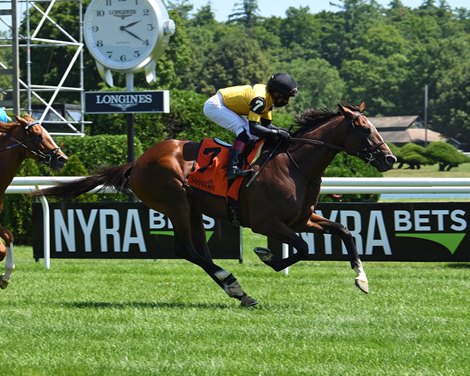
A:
[312,118]
[7,127]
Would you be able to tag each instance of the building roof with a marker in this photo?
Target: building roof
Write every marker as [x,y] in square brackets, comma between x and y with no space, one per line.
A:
[395,122]
[415,135]
[400,130]
[418,135]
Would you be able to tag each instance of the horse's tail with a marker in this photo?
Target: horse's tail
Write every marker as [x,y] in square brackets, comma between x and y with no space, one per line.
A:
[116,177]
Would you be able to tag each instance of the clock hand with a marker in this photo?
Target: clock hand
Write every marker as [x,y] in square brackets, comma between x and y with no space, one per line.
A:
[131,33]
[131,24]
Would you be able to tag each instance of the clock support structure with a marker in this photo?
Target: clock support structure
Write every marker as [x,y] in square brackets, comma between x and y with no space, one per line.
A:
[130,121]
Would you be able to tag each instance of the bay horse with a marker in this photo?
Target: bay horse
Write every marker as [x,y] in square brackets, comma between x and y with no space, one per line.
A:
[279,203]
[24,138]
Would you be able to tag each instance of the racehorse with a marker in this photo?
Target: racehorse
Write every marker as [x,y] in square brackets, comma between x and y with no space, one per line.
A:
[19,140]
[278,203]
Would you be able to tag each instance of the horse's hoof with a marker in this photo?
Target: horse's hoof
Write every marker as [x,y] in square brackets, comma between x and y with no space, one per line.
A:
[264,254]
[3,284]
[362,285]
[247,301]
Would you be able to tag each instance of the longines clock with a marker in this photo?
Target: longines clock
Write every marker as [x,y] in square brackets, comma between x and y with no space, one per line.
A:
[126,35]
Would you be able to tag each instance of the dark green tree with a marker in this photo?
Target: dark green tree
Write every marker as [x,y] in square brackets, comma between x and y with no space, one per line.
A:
[300,34]
[449,105]
[235,60]
[204,16]
[245,12]
[378,69]
[181,7]
[320,85]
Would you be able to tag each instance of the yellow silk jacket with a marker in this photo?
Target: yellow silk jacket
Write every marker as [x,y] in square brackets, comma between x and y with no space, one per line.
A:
[252,101]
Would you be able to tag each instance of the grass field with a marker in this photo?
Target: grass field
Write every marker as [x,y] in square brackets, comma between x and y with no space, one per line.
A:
[143,317]
[462,171]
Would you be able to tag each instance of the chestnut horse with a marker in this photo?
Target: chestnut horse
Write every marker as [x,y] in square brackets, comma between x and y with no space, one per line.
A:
[279,203]
[19,140]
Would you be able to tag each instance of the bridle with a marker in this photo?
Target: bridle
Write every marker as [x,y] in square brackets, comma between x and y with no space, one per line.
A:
[369,155]
[36,140]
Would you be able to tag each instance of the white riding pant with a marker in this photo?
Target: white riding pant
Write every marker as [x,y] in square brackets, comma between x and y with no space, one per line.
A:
[216,111]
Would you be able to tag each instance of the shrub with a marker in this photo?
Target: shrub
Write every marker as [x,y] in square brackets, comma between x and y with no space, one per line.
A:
[102,150]
[345,165]
[445,154]
[185,121]
[414,155]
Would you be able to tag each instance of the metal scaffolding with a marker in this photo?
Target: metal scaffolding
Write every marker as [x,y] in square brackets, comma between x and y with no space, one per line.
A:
[26,95]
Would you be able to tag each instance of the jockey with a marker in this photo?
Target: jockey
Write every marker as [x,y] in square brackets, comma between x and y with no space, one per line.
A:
[228,107]
[3,116]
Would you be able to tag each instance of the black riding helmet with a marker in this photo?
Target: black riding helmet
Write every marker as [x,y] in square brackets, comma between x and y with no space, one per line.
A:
[282,83]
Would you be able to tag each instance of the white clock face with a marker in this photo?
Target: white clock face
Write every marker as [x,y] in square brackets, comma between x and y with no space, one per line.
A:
[121,34]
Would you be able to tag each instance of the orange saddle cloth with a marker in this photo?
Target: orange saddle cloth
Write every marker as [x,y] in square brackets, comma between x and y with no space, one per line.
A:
[210,174]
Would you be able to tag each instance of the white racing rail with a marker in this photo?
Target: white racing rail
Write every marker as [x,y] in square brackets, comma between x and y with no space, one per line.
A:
[24,185]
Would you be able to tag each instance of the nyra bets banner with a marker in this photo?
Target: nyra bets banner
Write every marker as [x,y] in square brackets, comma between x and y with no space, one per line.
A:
[394,232]
[121,230]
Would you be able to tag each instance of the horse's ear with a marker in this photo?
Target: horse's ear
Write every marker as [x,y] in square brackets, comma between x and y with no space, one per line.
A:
[347,112]
[362,106]
[19,119]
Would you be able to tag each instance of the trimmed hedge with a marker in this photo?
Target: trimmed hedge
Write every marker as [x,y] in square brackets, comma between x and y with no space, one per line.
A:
[345,165]
[444,154]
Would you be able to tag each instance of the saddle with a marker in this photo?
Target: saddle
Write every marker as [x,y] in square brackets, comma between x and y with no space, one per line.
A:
[209,171]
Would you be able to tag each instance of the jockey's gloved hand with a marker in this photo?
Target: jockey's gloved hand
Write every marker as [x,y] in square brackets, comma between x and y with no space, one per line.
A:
[268,131]
[283,134]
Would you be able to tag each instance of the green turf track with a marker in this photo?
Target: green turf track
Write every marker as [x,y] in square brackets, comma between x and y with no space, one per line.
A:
[143,317]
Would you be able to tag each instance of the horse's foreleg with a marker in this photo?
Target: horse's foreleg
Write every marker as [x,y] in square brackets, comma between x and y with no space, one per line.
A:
[6,248]
[9,266]
[321,225]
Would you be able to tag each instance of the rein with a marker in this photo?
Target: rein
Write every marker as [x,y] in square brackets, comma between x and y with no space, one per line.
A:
[368,155]
[46,158]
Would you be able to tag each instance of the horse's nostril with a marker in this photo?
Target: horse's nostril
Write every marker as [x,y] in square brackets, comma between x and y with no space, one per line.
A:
[391,159]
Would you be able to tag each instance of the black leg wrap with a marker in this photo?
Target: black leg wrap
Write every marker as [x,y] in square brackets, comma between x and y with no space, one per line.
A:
[230,279]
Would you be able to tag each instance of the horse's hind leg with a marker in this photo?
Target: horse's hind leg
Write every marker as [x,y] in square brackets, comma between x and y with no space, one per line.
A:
[278,230]
[190,243]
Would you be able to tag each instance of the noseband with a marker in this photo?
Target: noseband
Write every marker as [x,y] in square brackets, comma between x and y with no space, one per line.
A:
[36,140]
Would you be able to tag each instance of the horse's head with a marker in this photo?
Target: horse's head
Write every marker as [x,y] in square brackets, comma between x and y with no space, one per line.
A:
[365,141]
[39,144]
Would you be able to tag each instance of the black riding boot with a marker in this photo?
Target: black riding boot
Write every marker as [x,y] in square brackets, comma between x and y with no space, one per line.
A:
[233,169]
